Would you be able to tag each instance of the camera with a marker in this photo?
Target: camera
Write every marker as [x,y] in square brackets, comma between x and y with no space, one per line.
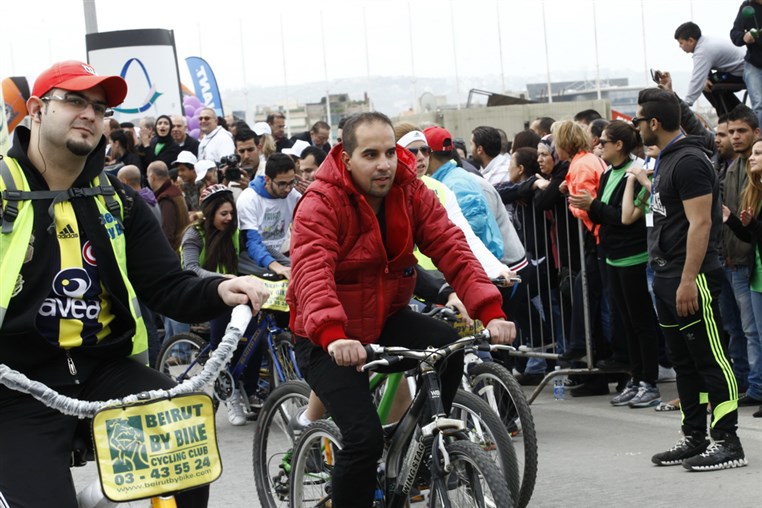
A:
[232,170]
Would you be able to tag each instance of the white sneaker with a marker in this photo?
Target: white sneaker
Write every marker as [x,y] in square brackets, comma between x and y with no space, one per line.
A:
[235,409]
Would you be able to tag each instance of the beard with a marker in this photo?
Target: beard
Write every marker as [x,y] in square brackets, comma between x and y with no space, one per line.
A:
[80,148]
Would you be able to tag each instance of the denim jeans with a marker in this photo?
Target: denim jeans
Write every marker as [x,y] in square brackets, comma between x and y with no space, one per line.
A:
[755,350]
[731,322]
[752,75]
[740,278]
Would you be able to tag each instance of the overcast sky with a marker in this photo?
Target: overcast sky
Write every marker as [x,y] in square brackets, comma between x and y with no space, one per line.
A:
[247,42]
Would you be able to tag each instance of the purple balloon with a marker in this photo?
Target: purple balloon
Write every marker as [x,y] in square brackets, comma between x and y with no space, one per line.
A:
[193,123]
[189,110]
[195,133]
[192,100]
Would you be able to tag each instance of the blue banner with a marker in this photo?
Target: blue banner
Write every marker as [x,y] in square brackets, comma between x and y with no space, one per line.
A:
[205,83]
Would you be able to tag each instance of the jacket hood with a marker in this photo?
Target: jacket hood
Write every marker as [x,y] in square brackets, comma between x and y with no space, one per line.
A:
[333,170]
[258,186]
[148,195]
[696,141]
[93,166]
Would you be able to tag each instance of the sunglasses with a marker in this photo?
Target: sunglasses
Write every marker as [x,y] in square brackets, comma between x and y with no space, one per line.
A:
[637,119]
[205,118]
[425,150]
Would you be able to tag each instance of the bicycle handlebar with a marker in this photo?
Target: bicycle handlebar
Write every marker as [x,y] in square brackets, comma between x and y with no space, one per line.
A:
[395,354]
[86,409]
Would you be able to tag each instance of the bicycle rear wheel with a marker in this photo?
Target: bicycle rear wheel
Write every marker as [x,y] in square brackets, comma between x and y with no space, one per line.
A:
[471,482]
[274,442]
[495,384]
[312,465]
[487,432]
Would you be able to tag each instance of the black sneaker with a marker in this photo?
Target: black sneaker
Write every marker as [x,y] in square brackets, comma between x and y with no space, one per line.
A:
[685,448]
[725,453]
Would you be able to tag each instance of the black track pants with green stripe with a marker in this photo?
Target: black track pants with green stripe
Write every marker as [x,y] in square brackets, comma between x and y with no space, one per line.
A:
[699,354]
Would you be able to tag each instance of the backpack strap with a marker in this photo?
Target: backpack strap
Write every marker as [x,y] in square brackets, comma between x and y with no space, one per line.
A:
[12,196]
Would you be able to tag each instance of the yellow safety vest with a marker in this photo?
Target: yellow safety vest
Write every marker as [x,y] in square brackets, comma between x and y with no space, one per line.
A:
[17,231]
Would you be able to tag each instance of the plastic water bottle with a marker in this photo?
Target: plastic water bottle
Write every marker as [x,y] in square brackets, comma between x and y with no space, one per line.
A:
[559,390]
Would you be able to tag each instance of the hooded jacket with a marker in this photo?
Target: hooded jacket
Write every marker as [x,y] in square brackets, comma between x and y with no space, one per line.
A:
[346,280]
[153,269]
[684,172]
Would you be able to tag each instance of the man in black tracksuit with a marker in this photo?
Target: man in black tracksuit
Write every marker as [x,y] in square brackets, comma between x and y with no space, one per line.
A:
[683,242]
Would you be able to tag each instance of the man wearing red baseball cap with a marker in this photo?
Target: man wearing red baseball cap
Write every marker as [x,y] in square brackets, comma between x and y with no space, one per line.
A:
[74,262]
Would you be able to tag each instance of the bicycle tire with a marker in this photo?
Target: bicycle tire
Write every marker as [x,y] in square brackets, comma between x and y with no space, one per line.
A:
[274,416]
[511,404]
[464,486]
[486,430]
[176,361]
[312,465]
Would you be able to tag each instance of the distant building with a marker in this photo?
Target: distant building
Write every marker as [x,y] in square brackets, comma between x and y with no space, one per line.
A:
[623,97]
[301,117]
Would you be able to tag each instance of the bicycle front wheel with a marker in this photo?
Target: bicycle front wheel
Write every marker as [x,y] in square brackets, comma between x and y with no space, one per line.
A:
[496,386]
[274,442]
[472,480]
[312,465]
[485,430]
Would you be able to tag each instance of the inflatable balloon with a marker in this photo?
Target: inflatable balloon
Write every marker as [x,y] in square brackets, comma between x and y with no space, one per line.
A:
[193,123]
[195,133]
[193,101]
[747,12]
[188,109]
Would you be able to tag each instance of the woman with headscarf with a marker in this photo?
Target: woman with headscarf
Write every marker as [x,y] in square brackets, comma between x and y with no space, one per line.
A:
[162,147]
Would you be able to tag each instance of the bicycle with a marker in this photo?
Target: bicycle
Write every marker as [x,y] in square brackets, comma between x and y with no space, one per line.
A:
[92,495]
[461,473]
[182,355]
[274,439]
[495,384]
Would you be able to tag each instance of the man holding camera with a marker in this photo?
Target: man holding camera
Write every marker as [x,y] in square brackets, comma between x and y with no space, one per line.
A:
[265,210]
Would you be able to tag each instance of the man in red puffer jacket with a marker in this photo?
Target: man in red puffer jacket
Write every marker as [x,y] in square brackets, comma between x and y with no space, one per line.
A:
[352,278]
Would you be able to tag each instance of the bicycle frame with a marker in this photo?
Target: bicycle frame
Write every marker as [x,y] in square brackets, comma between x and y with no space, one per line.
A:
[266,329]
[403,461]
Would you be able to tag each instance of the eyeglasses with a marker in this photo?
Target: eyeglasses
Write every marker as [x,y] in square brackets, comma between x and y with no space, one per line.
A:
[603,142]
[205,118]
[637,119]
[284,185]
[80,104]
[425,150]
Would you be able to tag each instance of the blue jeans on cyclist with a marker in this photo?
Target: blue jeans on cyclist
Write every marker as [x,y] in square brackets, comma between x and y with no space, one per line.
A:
[346,395]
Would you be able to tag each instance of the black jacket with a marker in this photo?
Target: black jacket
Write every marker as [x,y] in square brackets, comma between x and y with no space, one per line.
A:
[740,26]
[617,239]
[684,172]
[153,268]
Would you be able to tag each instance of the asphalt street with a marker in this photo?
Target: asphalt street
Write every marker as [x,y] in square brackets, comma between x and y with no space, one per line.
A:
[590,454]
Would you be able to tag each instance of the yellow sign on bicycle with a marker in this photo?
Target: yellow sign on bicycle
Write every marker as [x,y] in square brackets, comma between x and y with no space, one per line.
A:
[157,447]
[277,299]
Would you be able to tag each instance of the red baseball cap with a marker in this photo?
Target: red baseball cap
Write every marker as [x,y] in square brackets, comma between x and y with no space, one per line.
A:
[439,139]
[77,76]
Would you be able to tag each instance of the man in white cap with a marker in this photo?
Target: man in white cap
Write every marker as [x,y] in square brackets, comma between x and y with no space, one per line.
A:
[72,273]
[186,173]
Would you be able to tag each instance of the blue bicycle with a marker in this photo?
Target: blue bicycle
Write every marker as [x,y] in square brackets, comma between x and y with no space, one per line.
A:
[183,355]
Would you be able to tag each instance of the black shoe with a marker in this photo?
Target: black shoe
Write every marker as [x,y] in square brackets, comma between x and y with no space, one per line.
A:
[529,379]
[612,365]
[685,448]
[572,354]
[758,414]
[724,453]
[591,388]
[747,400]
